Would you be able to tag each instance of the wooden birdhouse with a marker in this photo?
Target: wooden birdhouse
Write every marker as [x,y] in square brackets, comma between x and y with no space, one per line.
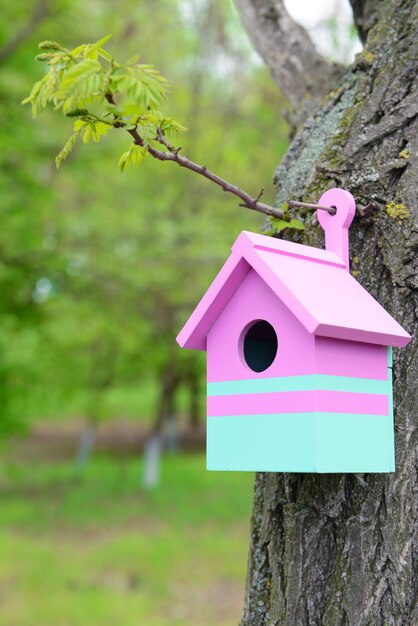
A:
[299,374]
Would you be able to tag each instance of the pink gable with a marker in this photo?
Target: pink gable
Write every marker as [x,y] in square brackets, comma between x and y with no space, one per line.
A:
[255,300]
[193,335]
[314,284]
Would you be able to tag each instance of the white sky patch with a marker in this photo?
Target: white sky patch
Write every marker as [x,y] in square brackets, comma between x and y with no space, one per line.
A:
[330,26]
[328,22]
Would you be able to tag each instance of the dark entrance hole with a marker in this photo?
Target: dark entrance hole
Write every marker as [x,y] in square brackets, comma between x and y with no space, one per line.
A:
[260,346]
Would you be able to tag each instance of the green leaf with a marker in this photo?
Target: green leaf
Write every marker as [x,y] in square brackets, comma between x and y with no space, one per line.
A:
[103,128]
[101,42]
[169,124]
[61,156]
[134,156]
[78,50]
[78,84]
[150,120]
[295,223]
[87,133]
[133,60]
[99,129]
[45,56]
[39,95]
[77,113]
[49,45]
[112,109]
[94,50]
[79,125]
[138,155]
[92,129]
[132,109]
[122,161]
[278,225]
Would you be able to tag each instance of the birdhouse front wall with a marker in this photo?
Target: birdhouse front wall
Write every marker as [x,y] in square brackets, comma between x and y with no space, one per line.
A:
[322,405]
[244,430]
[253,301]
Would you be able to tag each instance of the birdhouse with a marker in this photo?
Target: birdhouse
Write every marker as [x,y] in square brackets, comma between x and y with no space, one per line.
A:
[299,368]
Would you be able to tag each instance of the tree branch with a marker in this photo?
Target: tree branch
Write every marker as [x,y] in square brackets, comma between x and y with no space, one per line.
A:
[296,65]
[39,13]
[173,154]
[365,13]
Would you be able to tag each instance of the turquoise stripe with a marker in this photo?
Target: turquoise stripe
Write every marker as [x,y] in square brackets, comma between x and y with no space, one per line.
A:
[309,382]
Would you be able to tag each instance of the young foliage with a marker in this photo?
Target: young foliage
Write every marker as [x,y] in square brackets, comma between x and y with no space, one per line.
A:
[277,225]
[87,83]
[134,156]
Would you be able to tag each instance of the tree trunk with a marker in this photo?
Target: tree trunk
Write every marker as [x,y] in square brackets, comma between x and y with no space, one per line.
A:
[341,549]
[193,389]
[169,382]
[85,446]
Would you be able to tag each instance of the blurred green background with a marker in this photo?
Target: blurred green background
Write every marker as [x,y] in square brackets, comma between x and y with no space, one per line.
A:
[98,272]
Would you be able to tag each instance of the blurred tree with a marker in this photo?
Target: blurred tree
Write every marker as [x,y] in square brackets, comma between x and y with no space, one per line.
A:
[22,258]
[115,260]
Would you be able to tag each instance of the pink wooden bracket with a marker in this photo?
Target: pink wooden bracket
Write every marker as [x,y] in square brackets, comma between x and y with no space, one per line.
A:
[336,226]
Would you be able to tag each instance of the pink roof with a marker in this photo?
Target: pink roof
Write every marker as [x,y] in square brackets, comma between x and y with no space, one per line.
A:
[313,283]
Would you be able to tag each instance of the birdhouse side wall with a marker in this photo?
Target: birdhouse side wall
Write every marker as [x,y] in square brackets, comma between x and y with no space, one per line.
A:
[339,357]
[354,422]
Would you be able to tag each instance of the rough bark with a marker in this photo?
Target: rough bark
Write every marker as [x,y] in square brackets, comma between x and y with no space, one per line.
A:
[341,550]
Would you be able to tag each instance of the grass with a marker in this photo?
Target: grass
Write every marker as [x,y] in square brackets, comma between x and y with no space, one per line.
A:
[99,551]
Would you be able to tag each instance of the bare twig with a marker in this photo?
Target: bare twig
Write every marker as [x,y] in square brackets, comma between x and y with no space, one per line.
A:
[364,211]
[173,155]
[309,205]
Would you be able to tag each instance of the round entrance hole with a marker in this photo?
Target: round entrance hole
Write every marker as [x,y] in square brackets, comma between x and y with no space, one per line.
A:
[259,345]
